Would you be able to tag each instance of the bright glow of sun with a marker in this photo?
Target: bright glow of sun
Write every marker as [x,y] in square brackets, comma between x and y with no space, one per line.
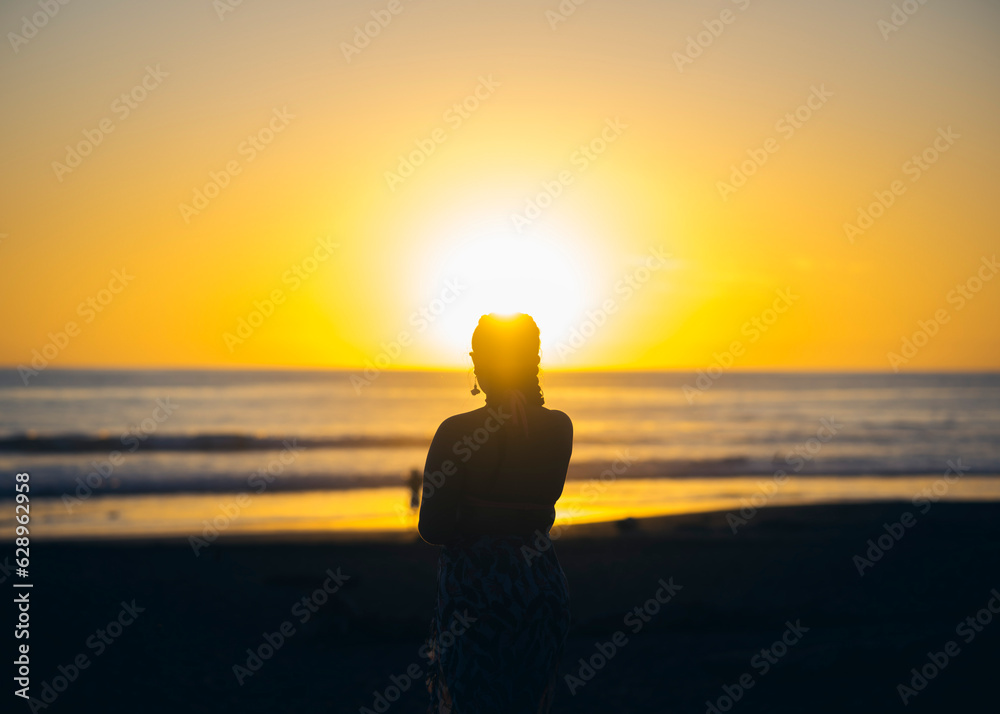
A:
[505,272]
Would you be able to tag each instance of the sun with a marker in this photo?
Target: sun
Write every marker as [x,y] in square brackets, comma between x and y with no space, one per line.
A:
[504,272]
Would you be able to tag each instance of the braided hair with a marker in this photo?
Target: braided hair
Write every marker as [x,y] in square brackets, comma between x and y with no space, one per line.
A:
[506,353]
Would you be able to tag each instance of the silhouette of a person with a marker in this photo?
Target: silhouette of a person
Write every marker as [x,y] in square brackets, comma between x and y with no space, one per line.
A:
[492,478]
[414,482]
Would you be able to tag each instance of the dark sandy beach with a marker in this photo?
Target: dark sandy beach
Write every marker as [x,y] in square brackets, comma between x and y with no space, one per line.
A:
[849,639]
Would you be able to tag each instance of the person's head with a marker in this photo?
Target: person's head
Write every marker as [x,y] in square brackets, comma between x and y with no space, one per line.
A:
[505,355]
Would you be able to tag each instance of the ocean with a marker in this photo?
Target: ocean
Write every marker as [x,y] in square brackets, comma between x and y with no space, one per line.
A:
[133,453]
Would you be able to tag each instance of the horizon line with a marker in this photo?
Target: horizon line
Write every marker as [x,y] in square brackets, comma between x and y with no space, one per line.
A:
[457,370]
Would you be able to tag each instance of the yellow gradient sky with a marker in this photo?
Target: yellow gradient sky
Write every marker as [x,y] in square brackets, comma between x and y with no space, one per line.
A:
[331,131]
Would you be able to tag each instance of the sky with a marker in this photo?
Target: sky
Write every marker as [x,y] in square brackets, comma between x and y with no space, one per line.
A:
[749,184]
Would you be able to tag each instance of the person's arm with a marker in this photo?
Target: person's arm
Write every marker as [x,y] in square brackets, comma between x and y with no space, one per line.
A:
[566,440]
[442,489]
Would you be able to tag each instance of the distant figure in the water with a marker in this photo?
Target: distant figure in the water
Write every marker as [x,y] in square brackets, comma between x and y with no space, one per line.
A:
[415,481]
[492,479]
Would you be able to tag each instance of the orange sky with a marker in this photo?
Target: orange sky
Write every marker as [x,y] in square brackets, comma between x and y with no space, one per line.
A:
[271,186]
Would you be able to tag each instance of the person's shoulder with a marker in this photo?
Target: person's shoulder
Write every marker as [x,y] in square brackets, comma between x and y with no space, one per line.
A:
[559,417]
[458,422]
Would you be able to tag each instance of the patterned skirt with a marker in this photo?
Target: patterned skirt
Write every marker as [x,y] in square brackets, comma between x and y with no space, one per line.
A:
[499,628]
